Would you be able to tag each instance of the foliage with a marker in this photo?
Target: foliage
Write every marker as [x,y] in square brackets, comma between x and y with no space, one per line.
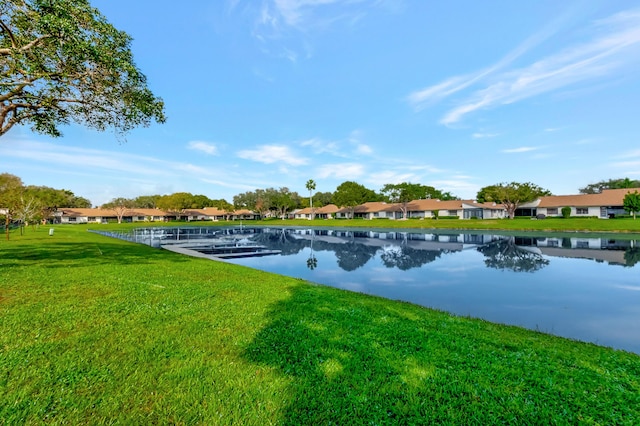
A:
[146,201]
[566,212]
[29,204]
[511,195]
[120,206]
[282,201]
[351,194]
[263,201]
[596,188]
[311,186]
[61,62]
[631,203]
[403,193]
[100,331]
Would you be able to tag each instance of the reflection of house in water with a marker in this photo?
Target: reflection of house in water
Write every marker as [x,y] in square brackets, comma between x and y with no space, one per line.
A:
[420,241]
[612,251]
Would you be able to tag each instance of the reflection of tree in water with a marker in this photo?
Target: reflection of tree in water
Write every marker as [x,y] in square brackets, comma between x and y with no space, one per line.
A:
[279,239]
[632,256]
[505,254]
[405,258]
[312,262]
[352,255]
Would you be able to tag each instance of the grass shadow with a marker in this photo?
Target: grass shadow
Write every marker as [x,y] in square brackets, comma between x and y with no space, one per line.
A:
[365,360]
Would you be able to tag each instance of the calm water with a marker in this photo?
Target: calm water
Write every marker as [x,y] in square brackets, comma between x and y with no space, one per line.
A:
[578,286]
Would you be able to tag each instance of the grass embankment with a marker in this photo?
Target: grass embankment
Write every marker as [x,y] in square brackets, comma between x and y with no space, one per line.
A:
[591,225]
[96,330]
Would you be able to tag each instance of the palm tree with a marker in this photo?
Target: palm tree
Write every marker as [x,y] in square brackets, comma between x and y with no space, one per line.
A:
[311,186]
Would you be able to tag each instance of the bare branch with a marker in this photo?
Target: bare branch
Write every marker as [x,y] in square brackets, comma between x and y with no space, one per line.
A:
[8,30]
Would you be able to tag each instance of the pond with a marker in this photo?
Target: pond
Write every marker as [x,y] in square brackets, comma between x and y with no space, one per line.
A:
[576,285]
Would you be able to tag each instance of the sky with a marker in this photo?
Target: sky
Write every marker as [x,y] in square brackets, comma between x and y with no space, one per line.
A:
[455,94]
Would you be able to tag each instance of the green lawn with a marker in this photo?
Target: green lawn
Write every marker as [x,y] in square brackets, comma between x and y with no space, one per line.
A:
[623,225]
[99,331]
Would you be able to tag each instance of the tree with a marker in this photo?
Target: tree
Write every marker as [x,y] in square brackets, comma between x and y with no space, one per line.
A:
[282,200]
[511,195]
[62,61]
[177,202]
[403,193]
[120,206]
[146,201]
[311,186]
[631,203]
[351,194]
[11,189]
[596,188]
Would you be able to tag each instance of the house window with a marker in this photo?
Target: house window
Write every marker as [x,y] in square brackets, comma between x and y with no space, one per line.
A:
[453,212]
[582,244]
[582,210]
[552,211]
[552,243]
[72,219]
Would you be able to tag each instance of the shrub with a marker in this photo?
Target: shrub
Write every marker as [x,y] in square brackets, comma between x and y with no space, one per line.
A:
[436,214]
[566,212]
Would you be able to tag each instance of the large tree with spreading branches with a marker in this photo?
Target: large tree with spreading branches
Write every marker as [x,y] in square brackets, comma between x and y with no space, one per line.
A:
[511,195]
[61,61]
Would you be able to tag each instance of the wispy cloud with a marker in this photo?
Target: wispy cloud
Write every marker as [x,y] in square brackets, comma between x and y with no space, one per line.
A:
[206,147]
[391,176]
[519,150]
[350,171]
[270,154]
[281,26]
[321,146]
[615,44]
[484,135]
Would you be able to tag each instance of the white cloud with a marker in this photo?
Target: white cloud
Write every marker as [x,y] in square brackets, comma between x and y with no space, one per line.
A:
[206,147]
[321,146]
[615,45]
[364,149]
[389,176]
[521,149]
[484,135]
[270,154]
[350,171]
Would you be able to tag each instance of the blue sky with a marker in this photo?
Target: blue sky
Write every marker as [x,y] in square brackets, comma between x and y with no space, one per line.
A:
[270,93]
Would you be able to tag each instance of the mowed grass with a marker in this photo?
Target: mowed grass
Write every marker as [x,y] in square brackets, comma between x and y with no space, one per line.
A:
[100,331]
[625,225]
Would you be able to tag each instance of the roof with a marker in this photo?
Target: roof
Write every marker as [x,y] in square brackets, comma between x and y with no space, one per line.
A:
[434,204]
[372,207]
[608,197]
[81,212]
[329,208]
[207,211]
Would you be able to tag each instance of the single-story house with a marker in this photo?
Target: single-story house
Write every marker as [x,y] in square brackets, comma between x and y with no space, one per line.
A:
[607,204]
[97,215]
[324,212]
[370,210]
[207,213]
[463,209]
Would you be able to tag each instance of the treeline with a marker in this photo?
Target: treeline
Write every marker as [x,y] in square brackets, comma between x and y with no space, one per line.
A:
[31,204]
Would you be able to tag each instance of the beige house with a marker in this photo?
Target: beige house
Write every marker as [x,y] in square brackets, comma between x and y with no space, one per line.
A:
[326,212]
[77,215]
[607,204]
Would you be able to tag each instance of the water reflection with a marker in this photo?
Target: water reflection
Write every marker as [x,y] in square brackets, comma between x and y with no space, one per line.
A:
[504,253]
